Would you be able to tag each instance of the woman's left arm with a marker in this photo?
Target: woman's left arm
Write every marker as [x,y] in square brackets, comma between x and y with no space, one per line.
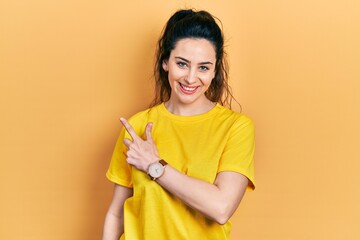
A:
[217,201]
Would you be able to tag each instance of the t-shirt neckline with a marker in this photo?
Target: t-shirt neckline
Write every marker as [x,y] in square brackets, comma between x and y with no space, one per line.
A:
[164,111]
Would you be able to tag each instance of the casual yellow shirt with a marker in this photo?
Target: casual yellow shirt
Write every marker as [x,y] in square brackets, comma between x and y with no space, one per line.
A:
[199,146]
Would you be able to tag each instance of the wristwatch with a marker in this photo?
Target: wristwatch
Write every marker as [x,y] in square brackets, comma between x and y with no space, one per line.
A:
[156,169]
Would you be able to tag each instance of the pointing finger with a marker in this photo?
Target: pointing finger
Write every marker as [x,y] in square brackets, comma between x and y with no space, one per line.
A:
[148,131]
[129,129]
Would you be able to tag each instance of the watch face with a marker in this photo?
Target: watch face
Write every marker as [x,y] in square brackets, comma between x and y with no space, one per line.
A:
[156,170]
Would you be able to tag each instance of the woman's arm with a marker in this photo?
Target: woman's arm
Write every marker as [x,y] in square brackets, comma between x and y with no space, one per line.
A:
[218,201]
[114,220]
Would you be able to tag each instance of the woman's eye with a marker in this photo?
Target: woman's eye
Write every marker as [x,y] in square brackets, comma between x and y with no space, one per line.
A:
[181,64]
[204,68]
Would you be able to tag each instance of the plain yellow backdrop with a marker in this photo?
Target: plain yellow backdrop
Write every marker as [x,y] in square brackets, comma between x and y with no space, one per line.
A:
[70,69]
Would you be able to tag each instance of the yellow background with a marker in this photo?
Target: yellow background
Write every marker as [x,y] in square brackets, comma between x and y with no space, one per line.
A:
[69,69]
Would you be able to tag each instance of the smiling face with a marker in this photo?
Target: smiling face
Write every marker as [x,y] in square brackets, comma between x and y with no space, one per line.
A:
[191,68]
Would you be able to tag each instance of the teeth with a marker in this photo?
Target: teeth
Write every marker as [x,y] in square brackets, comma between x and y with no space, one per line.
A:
[188,88]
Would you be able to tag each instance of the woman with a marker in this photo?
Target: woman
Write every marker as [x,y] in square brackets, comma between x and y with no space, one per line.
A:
[182,167]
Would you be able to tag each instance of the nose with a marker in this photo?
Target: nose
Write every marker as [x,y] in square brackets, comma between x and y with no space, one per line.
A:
[191,77]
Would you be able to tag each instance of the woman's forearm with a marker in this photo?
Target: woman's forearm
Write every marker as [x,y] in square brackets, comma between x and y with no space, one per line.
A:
[114,220]
[217,201]
[113,227]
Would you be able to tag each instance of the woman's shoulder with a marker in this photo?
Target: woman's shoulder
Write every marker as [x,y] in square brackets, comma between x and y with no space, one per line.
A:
[238,122]
[236,117]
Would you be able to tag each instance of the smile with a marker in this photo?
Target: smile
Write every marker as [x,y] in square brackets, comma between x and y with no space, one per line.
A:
[188,89]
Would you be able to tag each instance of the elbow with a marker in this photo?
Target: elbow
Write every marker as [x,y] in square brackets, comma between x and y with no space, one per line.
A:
[222,219]
[223,214]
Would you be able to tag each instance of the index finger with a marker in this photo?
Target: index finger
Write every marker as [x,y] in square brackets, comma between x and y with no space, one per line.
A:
[129,128]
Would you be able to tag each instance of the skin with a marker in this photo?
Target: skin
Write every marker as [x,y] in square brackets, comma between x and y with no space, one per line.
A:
[191,65]
[191,68]
[114,220]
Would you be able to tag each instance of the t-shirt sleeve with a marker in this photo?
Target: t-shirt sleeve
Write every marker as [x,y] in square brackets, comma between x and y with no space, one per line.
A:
[119,170]
[238,155]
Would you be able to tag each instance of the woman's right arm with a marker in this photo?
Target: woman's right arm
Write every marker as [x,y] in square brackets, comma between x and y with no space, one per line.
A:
[114,221]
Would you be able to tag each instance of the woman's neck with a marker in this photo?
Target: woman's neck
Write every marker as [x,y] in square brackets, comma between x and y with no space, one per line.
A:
[189,109]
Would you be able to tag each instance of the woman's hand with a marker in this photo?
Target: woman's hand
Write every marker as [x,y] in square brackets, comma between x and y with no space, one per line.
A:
[141,153]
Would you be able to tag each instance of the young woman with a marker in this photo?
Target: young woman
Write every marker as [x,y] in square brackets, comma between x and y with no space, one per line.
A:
[181,167]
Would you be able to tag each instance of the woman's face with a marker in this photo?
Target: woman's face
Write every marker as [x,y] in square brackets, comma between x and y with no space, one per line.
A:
[191,68]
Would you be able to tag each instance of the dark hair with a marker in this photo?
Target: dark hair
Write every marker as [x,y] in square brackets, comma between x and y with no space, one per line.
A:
[192,24]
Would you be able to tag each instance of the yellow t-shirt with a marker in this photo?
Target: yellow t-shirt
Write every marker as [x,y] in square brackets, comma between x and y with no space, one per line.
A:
[199,146]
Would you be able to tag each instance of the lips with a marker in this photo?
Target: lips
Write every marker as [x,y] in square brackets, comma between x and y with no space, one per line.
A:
[188,89]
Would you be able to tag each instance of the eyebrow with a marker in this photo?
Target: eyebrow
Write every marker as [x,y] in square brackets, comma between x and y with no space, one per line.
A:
[185,60]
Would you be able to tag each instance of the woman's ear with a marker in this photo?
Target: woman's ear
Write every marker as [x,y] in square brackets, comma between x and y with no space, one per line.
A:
[165,65]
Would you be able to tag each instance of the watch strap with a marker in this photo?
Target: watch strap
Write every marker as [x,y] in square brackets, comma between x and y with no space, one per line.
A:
[163,162]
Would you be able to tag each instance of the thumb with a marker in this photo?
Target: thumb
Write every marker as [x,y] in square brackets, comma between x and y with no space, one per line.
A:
[148,131]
